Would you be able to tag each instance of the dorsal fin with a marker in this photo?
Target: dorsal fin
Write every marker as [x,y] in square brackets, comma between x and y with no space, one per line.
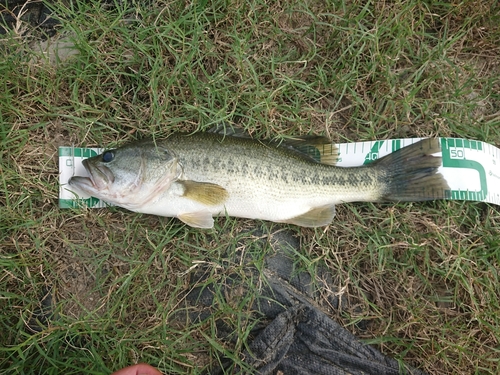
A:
[318,148]
[226,129]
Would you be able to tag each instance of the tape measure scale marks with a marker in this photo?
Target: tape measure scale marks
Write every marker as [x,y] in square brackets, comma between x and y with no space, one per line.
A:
[471,168]
[454,153]
[374,152]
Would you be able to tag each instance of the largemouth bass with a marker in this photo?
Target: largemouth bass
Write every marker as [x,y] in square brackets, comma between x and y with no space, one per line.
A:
[195,177]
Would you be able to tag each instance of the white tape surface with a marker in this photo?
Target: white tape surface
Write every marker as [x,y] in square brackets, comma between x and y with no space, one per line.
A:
[471,168]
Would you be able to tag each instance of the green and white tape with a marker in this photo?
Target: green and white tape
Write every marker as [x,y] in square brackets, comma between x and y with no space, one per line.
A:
[70,164]
[471,168]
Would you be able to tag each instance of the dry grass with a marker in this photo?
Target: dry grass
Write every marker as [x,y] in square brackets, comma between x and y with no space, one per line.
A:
[420,281]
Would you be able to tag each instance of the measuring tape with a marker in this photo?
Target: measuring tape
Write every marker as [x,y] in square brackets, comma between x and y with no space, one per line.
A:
[471,168]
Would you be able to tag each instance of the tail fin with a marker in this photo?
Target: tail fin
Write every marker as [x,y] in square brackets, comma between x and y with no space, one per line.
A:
[410,174]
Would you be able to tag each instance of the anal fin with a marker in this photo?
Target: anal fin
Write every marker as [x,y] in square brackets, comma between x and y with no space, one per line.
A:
[316,217]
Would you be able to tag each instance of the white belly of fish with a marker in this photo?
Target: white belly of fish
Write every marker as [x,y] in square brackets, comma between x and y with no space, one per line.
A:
[247,200]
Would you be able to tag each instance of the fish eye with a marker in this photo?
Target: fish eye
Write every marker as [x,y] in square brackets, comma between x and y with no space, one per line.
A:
[108,156]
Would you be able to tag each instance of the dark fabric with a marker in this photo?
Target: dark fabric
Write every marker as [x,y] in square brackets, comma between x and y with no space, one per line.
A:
[35,13]
[303,340]
[296,336]
[44,17]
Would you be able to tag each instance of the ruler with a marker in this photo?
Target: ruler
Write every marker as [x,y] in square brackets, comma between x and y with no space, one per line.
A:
[471,168]
[70,164]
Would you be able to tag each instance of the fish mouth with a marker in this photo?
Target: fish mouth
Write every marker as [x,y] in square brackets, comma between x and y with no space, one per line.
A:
[100,177]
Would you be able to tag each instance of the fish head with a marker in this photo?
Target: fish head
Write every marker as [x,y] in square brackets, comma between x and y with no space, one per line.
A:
[130,176]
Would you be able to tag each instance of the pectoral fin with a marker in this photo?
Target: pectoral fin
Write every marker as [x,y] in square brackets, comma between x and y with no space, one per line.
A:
[204,192]
[199,219]
[317,217]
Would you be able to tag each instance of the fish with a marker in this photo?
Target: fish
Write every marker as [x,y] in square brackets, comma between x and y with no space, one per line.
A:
[196,177]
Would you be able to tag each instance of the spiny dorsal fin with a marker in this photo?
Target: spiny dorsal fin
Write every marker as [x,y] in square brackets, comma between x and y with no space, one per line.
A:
[318,148]
[226,129]
[204,192]
[317,217]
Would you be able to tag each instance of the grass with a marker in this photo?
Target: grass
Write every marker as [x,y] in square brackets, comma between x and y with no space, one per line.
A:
[420,279]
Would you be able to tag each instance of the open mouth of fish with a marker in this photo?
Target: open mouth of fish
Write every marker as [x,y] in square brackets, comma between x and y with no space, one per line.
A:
[99,178]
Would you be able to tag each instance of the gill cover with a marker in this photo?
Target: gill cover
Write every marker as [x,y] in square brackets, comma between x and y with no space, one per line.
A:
[130,176]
